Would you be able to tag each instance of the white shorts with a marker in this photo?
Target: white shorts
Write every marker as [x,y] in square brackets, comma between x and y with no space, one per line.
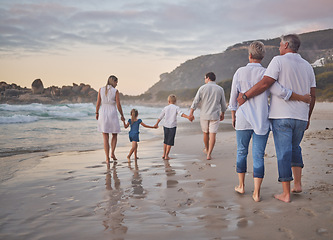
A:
[209,126]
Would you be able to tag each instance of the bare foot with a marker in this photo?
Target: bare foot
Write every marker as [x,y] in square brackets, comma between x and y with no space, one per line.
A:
[113,157]
[209,157]
[239,189]
[108,160]
[282,197]
[166,158]
[129,157]
[163,156]
[205,150]
[296,189]
[256,197]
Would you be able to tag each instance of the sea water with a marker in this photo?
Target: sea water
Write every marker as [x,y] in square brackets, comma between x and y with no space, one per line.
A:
[29,132]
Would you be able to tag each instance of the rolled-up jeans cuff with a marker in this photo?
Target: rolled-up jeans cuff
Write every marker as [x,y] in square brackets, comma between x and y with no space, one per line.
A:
[297,165]
[287,179]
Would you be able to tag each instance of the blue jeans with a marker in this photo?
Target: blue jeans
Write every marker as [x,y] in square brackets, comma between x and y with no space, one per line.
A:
[288,134]
[258,151]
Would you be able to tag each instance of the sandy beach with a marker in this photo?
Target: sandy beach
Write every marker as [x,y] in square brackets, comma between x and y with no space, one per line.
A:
[75,195]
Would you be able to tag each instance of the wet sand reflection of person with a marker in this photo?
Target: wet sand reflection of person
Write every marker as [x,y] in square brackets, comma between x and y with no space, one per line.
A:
[169,173]
[114,209]
[138,191]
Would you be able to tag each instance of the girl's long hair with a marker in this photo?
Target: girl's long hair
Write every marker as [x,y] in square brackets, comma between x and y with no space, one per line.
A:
[111,80]
[134,114]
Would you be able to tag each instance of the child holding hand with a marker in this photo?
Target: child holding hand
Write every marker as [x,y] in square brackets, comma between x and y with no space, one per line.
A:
[169,113]
[135,123]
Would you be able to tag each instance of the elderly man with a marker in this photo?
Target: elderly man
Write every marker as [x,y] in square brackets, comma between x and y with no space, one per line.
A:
[212,110]
[289,118]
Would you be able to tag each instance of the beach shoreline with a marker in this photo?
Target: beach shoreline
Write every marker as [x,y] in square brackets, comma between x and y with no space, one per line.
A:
[74,195]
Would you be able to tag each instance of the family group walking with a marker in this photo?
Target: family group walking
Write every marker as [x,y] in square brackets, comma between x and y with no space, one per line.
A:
[288,84]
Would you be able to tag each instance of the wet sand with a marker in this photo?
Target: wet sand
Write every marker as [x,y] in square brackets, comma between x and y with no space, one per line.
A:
[75,195]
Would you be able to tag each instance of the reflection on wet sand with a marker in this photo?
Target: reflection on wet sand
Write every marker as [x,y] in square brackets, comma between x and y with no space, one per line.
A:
[171,183]
[114,207]
[137,189]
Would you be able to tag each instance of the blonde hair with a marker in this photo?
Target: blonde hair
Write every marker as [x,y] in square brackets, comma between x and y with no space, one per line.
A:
[257,50]
[111,81]
[134,114]
[172,98]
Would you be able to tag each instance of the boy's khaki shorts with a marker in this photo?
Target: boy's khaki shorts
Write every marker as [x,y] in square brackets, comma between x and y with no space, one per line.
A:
[209,126]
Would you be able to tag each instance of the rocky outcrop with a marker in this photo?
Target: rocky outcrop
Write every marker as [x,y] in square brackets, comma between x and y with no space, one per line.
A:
[14,94]
[37,87]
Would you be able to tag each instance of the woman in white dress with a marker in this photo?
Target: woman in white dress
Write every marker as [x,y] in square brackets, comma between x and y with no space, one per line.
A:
[106,113]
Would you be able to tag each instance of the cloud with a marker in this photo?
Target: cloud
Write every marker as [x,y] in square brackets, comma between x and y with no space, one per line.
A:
[165,28]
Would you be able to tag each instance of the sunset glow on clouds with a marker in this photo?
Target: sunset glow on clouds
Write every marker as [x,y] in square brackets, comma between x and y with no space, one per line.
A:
[65,42]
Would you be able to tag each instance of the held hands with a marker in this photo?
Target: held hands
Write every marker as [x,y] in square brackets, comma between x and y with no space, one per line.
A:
[155,126]
[191,118]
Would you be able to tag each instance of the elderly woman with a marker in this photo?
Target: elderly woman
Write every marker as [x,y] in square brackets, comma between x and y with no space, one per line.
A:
[106,113]
[251,119]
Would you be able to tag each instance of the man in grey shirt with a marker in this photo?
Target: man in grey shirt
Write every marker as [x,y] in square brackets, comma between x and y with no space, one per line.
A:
[212,110]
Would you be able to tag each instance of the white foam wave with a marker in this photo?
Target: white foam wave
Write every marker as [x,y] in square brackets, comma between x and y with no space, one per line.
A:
[18,119]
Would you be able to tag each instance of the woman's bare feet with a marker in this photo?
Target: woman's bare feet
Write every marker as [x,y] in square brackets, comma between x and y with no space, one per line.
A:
[107,160]
[256,197]
[209,157]
[282,197]
[113,157]
[167,158]
[240,189]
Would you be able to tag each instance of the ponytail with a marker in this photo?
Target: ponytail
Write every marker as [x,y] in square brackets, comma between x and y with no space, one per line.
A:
[134,114]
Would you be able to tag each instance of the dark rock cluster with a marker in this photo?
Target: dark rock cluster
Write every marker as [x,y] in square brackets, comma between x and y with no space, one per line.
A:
[14,94]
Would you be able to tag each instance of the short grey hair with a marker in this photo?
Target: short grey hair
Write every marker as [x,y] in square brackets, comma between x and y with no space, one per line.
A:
[293,41]
[257,50]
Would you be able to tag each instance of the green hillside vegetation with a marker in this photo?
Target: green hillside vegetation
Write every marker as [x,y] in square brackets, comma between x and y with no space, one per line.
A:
[184,80]
[324,78]
[324,91]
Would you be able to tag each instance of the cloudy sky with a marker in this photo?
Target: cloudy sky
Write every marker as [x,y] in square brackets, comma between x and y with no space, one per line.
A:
[70,41]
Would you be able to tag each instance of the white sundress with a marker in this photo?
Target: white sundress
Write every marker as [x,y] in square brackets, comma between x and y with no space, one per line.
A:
[108,120]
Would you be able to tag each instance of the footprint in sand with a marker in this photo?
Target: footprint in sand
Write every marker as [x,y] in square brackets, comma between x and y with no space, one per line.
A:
[261,213]
[322,232]
[288,233]
[201,184]
[307,212]
[242,223]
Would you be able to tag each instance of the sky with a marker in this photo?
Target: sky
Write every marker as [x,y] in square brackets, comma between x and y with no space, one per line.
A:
[70,41]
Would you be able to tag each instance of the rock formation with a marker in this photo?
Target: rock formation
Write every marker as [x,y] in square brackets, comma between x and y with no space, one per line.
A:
[14,94]
[37,87]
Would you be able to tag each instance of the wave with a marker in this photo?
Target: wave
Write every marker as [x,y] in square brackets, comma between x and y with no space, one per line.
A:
[38,107]
[18,119]
[36,111]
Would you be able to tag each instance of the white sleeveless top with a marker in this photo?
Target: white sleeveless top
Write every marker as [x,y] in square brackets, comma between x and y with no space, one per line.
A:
[108,120]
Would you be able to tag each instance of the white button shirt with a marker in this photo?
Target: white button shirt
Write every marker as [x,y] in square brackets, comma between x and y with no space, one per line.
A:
[293,72]
[253,114]
[212,101]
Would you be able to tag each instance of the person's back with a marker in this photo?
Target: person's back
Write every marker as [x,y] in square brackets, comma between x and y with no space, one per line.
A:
[109,96]
[296,74]
[212,98]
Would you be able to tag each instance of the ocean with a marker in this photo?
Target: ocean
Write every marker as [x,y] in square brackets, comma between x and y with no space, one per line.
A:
[30,132]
